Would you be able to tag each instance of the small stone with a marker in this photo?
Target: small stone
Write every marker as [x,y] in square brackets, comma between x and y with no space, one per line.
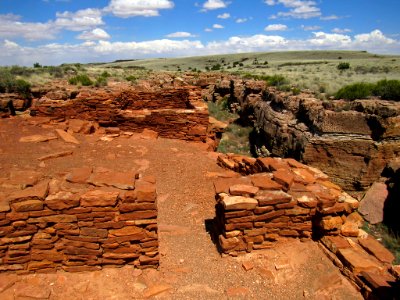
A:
[28,205]
[248,265]
[69,138]
[156,290]
[37,138]
[99,198]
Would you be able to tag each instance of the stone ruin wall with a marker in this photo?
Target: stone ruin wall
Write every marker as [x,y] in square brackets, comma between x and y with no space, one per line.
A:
[278,199]
[172,113]
[81,222]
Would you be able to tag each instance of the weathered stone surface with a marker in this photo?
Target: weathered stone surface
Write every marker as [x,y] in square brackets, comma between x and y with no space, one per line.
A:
[372,205]
[62,200]
[243,190]
[67,137]
[238,203]
[331,223]
[79,175]
[334,243]
[375,248]
[284,177]
[222,185]
[357,261]
[37,138]
[145,191]
[99,198]
[265,182]
[128,230]
[28,205]
[39,191]
[55,155]
[266,198]
[121,180]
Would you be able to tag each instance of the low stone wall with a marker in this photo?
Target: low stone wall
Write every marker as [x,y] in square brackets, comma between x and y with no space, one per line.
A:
[173,113]
[282,199]
[285,199]
[80,222]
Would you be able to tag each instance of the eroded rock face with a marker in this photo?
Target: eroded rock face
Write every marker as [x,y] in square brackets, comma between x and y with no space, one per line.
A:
[350,141]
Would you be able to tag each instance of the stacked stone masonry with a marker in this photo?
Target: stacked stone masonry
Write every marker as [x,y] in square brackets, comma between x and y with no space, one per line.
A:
[83,221]
[277,199]
[173,113]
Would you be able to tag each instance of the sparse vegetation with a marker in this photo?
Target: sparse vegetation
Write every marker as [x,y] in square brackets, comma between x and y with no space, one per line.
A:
[9,83]
[386,89]
[82,79]
[343,66]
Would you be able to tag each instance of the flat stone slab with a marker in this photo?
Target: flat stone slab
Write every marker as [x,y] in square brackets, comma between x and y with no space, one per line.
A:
[358,261]
[372,246]
[239,202]
[372,205]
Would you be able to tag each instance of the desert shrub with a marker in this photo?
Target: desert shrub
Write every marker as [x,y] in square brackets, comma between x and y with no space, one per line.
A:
[343,66]
[296,91]
[277,80]
[10,84]
[216,67]
[82,79]
[355,91]
[220,110]
[388,89]
[37,65]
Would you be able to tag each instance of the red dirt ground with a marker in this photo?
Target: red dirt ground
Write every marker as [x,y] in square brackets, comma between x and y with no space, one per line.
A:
[190,267]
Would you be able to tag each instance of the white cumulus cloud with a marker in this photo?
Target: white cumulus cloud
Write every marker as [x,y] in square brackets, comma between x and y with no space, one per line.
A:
[241,20]
[298,9]
[180,34]
[84,19]
[11,26]
[134,8]
[93,35]
[224,16]
[215,4]
[276,27]
[218,26]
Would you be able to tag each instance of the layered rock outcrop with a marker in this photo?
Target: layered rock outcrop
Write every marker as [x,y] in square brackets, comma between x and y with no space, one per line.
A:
[350,141]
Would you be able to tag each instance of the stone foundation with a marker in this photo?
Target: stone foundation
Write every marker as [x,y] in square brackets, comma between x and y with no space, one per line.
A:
[80,222]
[283,199]
[173,113]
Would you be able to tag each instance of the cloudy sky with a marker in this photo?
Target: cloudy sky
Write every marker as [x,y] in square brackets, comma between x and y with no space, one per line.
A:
[58,31]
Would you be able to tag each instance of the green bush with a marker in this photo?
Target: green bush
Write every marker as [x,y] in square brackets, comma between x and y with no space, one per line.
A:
[81,79]
[343,66]
[355,91]
[388,89]
[277,80]
[10,84]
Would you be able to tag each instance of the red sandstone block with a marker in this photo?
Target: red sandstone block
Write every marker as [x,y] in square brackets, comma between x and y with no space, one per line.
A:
[145,191]
[334,243]
[289,233]
[284,177]
[62,200]
[228,244]
[238,226]
[109,225]
[269,215]
[99,198]
[289,205]
[304,176]
[222,185]
[267,198]
[138,215]
[265,182]
[27,205]
[129,207]
[79,175]
[263,209]
[237,214]
[297,211]
[240,220]
[243,190]
[269,164]
[87,231]
[128,230]
[375,248]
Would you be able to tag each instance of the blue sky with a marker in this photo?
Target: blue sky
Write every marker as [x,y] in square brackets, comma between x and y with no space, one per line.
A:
[59,31]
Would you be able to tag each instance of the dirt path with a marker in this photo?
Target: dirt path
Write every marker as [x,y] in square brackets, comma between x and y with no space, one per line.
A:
[190,267]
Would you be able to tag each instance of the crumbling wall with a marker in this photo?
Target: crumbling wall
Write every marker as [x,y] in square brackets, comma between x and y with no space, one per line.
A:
[173,113]
[81,222]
